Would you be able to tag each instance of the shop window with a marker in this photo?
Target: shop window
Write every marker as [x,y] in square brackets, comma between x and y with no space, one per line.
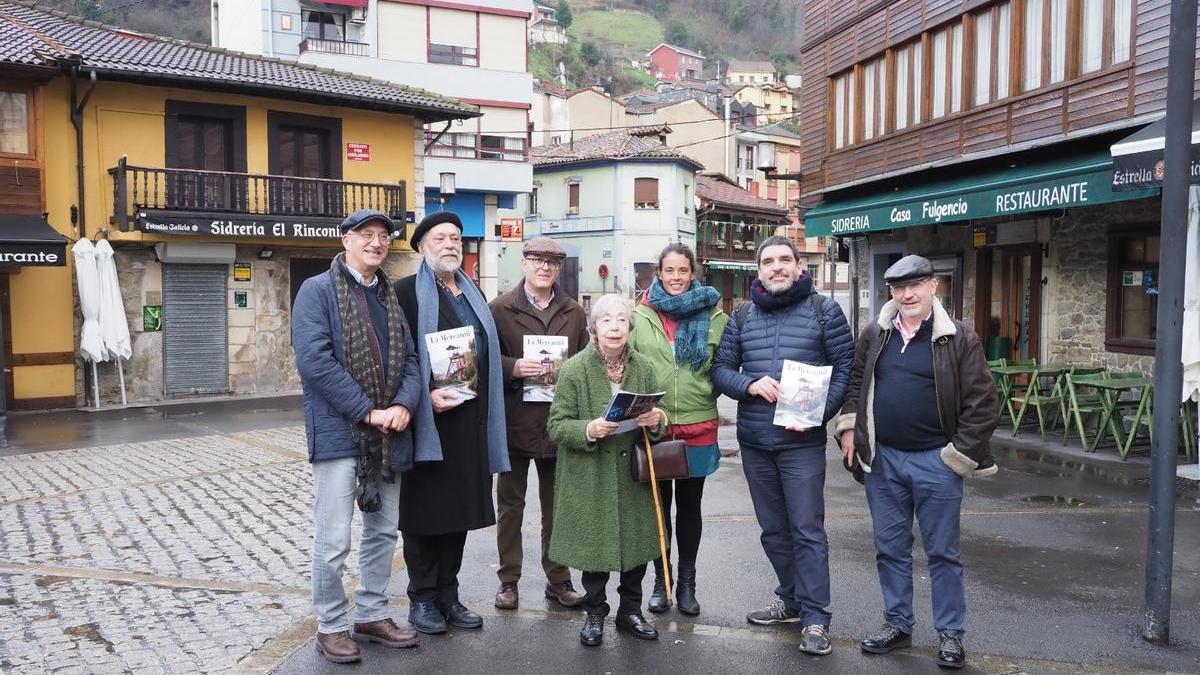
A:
[324,25]
[645,193]
[14,123]
[1132,291]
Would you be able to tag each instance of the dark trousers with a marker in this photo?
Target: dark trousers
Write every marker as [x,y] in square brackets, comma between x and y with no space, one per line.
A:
[433,562]
[629,589]
[687,494]
[510,513]
[900,485]
[787,489]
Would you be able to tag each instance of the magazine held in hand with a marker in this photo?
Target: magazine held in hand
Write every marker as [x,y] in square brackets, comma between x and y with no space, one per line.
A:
[803,390]
[549,352]
[452,359]
[625,407]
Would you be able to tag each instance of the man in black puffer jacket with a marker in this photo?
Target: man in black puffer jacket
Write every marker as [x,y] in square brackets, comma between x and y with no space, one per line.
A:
[785,466]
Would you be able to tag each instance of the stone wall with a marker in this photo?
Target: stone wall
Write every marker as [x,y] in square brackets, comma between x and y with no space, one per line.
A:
[1079,261]
[261,361]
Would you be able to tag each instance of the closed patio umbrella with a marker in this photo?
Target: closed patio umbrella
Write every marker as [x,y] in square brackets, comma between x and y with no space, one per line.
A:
[1191,316]
[114,325]
[87,276]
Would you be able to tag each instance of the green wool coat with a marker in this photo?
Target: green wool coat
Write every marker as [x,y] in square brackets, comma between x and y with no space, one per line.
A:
[603,519]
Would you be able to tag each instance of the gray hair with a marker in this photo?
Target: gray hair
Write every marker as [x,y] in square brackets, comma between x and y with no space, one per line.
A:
[777,240]
[606,304]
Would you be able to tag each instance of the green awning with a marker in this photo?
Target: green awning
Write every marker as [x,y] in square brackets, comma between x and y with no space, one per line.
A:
[1079,181]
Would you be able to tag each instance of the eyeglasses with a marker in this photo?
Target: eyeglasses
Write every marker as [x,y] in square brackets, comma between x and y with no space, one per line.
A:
[367,237]
[544,262]
[904,286]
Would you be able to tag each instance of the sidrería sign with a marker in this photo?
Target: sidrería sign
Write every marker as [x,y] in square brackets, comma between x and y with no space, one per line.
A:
[239,226]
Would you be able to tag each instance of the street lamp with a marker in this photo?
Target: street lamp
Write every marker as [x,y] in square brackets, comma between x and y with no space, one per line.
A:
[446,186]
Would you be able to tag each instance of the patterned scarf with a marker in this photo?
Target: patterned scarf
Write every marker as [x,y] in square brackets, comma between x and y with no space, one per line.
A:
[614,367]
[770,302]
[365,363]
[691,310]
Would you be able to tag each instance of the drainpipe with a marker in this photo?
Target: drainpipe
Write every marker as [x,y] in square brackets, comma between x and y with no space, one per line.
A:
[77,108]
[216,24]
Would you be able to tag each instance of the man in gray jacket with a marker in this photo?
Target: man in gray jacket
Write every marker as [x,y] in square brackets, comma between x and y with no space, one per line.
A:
[918,414]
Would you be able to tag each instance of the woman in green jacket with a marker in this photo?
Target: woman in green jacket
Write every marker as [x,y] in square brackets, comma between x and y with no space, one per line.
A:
[604,521]
[678,328]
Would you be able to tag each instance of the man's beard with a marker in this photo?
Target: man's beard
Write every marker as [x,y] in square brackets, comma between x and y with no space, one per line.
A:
[442,265]
[778,286]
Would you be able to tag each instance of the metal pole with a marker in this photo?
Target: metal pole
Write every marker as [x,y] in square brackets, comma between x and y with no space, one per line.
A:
[3,396]
[852,274]
[1168,368]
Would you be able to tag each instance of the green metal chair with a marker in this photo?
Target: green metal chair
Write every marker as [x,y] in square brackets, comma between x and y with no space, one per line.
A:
[1037,396]
[1186,427]
[1012,386]
[1082,400]
[997,379]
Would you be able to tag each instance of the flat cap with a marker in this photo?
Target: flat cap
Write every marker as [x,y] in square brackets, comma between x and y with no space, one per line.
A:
[363,216]
[908,268]
[431,221]
[543,247]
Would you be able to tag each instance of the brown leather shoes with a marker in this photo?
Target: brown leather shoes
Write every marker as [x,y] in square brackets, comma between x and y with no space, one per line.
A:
[338,647]
[386,633]
[506,597]
[563,593]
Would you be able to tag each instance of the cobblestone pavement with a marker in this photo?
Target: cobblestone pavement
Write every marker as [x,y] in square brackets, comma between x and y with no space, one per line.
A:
[168,556]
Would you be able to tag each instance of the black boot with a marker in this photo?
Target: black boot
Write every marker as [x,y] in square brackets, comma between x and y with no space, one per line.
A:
[685,589]
[658,599]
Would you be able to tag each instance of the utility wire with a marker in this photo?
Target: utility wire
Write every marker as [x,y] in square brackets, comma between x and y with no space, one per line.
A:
[644,125]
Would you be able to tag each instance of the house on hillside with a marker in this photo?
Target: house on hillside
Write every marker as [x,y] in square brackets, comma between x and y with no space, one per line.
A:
[543,27]
[549,114]
[668,63]
[474,52]
[219,178]
[992,157]
[739,73]
[730,225]
[613,201]
[772,102]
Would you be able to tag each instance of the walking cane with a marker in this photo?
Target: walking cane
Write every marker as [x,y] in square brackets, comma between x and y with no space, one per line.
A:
[662,537]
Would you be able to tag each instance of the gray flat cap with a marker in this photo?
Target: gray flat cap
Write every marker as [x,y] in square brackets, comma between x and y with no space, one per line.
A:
[543,247]
[363,216]
[908,268]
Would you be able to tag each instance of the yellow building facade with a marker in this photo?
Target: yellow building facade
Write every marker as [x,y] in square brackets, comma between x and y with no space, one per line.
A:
[218,197]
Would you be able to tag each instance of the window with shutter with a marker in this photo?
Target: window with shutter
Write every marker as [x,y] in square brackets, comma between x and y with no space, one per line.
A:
[645,193]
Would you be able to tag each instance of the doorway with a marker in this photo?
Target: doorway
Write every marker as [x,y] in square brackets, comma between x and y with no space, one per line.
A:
[1008,301]
[569,278]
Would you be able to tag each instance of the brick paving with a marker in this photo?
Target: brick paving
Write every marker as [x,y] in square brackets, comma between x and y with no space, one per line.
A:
[168,556]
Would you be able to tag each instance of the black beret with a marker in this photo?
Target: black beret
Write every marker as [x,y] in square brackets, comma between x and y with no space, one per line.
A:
[908,268]
[431,221]
[363,216]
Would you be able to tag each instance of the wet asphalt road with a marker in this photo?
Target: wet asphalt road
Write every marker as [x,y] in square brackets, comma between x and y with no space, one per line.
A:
[1054,552]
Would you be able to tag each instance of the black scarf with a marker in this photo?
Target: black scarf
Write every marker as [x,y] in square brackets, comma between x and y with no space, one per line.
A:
[365,363]
[769,302]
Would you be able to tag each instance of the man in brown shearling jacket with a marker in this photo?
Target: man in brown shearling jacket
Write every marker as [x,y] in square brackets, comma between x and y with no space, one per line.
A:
[537,306]
[918,415]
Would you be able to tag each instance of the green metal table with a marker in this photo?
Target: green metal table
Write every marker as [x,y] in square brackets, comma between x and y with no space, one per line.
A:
[1110,393]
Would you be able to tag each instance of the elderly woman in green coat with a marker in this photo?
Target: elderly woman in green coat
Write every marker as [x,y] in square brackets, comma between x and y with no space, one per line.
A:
[604,521]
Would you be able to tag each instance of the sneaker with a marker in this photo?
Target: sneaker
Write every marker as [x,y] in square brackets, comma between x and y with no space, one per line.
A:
[776,612]
[815,640]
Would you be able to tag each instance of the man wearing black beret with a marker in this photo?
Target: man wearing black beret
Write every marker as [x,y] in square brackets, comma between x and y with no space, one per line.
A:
[459,443]
[918,414]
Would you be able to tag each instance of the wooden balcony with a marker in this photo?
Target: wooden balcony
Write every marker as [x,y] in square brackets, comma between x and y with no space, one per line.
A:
[223,194]
[344,47]
[736,250]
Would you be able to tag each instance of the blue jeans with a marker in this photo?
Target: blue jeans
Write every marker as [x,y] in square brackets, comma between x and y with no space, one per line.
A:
[334,483]
[901,483]
[787,488]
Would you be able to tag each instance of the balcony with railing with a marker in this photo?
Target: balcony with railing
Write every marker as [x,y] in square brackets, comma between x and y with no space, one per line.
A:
[342,47]
[728,241]
[138,190]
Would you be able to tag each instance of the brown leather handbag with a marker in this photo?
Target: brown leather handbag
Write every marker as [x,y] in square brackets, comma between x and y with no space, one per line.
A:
[670,460]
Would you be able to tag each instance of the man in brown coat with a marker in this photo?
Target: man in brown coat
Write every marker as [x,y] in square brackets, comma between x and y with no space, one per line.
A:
[536,307]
